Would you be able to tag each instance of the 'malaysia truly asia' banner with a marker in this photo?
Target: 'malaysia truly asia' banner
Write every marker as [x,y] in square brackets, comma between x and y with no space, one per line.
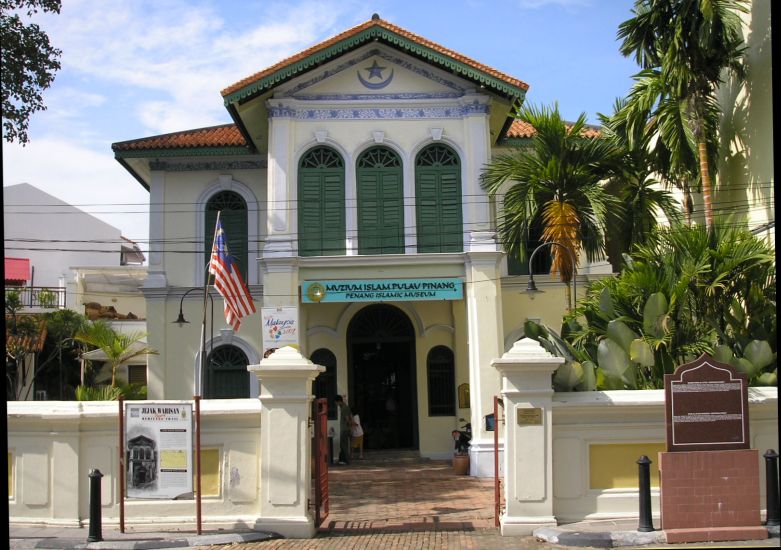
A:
[382,290]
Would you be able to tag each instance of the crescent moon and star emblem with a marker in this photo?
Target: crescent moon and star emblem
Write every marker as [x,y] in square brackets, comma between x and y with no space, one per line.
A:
[375,71]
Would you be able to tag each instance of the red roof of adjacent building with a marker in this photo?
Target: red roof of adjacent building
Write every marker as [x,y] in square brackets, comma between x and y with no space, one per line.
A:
[17,269]
[521,129]
[225,135]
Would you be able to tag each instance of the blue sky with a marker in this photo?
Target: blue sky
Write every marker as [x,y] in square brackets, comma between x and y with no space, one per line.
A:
[135,68]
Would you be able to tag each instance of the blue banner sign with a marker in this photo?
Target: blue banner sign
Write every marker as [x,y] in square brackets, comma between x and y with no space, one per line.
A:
[382,290]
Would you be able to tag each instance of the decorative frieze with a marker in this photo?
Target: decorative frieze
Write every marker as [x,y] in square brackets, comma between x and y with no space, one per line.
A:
[199,165]
[439,111]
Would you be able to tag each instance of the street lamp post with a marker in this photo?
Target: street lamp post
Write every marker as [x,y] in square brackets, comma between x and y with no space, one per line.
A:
[531,287]
[181,321]
[197,393]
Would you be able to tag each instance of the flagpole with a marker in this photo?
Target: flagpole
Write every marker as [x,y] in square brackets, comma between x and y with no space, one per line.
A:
[197,385]
[206,282]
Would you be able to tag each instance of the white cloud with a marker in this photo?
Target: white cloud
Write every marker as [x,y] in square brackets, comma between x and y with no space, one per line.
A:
[181,53]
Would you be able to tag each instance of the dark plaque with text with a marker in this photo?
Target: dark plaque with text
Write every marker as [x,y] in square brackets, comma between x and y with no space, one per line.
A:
[706,407]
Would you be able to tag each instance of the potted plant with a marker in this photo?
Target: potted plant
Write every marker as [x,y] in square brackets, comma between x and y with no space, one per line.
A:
[461,454]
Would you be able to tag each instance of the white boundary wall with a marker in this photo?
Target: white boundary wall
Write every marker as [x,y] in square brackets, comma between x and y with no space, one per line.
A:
[581,419]
[54,445]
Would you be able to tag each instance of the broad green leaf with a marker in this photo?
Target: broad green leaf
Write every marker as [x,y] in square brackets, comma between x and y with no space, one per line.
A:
[620,333]
[606,303]
[723,354]
[745,366]
[611,382]
[533,330]
[654,314]
[759,353]
[641,352]
[567,376]
[768,379]
[589,379]
[612,358]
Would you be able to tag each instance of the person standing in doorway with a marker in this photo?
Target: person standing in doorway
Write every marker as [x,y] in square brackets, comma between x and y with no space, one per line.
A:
[345,423]
[356,437]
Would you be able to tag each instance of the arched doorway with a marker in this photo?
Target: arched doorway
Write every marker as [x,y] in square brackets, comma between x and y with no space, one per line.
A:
[381,377]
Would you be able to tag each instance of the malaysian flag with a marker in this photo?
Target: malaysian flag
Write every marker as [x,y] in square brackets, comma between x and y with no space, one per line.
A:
[228,281]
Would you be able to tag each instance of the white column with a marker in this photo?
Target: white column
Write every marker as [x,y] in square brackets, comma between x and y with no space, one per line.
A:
[528,445]
[285,449]
[486,342]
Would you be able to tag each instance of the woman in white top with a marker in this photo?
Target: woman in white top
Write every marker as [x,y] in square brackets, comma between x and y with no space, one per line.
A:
[356,436]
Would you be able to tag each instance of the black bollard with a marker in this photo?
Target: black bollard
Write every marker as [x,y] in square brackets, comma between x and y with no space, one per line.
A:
[95,520]
[645,524]
[771,486]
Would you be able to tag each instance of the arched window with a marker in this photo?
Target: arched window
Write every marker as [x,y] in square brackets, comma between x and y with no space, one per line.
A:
[379,182]
[441,371]
[325,384]
[226,373]
[438,200]
[542,260]
[233,217]
[321,226]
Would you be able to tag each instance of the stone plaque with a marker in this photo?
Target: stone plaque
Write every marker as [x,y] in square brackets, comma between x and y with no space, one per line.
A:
[528,416]
[706,407]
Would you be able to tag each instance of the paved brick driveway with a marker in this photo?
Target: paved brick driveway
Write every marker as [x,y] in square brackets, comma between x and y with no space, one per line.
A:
[393,501]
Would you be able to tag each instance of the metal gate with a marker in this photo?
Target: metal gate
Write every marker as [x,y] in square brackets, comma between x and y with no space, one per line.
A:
[498,421]
[320,449]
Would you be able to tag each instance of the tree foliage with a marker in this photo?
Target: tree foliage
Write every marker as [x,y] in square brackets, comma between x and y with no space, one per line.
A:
[554,181]
[633,182]
[690,290]
[29,64]
[118,347]
[684,48]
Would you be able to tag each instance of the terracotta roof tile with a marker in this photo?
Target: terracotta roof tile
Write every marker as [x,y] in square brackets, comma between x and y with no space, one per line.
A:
[225,135]
[521,129]
[30,343]
[359,28]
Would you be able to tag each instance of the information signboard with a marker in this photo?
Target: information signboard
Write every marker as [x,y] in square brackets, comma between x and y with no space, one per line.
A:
[382,290]
[158,449]
[706,407]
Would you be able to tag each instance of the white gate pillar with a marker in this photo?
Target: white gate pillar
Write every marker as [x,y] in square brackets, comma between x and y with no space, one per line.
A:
[286,447]
[528,466]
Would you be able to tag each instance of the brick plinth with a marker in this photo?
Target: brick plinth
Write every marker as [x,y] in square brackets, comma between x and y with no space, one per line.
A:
[710,495]
[677,536]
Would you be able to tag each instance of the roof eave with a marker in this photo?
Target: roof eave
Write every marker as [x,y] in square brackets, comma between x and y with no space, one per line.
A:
[375,33]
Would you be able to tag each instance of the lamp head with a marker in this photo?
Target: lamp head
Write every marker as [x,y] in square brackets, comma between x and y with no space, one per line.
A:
[181,320]
[531,287]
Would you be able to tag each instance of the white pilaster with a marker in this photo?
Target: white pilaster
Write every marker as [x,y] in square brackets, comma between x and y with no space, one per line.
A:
[528,461]
[285,449]
[278,181]
[484,325]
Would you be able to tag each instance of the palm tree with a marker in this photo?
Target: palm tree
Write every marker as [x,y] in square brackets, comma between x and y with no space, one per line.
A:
[554,182]
[117,346]
[683,48]
[632,182]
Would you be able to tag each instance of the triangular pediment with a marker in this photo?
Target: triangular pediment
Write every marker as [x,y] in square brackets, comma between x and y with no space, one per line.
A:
[375,73]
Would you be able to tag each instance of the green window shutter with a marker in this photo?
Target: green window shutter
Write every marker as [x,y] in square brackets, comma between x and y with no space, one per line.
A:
[233,217]
[321,221]
[380,202]
[226,374]
[438,200]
